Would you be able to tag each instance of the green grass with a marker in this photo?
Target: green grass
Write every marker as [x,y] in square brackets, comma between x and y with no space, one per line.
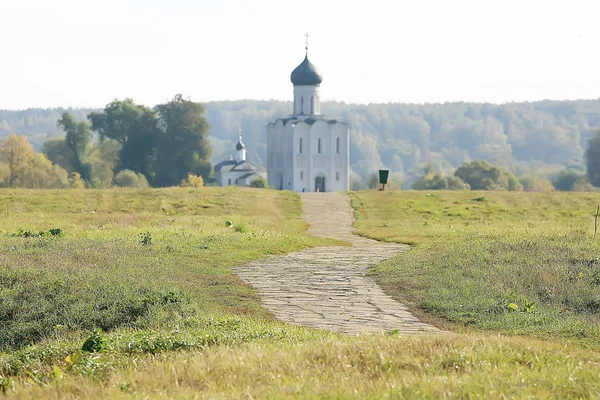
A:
[516,263]
[438,367]
[152,269]
[149,262]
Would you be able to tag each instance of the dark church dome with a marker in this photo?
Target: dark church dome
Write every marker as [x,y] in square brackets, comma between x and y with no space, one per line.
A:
[306,74]
[240,145]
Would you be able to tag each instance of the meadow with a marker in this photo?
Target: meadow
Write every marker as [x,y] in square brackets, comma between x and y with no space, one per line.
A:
[128,293]
[509,262]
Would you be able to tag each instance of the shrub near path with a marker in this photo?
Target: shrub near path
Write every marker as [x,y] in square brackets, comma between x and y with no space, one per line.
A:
[518,263]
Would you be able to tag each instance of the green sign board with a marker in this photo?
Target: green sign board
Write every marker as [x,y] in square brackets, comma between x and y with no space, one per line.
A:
[383,176]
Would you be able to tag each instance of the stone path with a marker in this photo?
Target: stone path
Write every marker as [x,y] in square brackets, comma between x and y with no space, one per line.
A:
[328,287]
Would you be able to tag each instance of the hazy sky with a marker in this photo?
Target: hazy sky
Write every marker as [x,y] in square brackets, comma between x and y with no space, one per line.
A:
[88,52]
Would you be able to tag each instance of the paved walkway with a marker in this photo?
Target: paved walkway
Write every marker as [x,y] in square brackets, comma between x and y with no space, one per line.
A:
[328,287]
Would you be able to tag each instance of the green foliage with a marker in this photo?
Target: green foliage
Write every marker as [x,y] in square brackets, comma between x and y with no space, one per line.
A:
[532,183]
[437,181]
[481,175]
[182,142]
[128,178]
[259,182]
[570,180]
[145,238]
[78,139]
[95,342]
[592,158]
[134,128]
[51,232]
[537,138]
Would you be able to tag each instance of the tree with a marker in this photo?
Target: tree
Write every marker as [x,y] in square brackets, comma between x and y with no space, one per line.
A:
[21,167]
[570,180]
[437,181]
[592,159]
[41,174]
[57,151]
[78,139]
[182,142]
[18,154]
[481,175]
[134,128]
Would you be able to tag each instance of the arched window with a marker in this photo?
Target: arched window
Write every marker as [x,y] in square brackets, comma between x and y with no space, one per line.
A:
[319,148]
[312,104]
[337,176]
[300,146]
[337,145]
[301,104]
[301,175]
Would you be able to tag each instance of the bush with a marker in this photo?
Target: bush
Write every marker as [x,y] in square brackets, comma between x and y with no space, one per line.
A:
[192,181]
[481,175]
[259,183]
[535,184]
[570,180]
[128,178]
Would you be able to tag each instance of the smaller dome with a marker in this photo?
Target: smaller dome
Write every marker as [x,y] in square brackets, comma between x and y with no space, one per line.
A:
[306,74]
[240,145]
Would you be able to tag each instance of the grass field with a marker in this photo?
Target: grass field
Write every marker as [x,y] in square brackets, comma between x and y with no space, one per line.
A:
[151,268]
[516,263]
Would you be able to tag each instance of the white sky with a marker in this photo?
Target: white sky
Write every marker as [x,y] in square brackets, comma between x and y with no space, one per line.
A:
[85,53]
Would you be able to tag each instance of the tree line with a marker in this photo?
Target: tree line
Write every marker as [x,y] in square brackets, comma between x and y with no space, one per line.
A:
[125,144]
[545,140]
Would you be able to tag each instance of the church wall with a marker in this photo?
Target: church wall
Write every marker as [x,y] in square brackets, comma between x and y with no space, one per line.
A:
[320,161]
[340,161]
[301,167]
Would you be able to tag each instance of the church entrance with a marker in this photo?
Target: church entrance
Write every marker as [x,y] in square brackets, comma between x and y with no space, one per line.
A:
[319,184]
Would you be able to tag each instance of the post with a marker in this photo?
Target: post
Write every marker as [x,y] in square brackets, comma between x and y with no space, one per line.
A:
[596,221]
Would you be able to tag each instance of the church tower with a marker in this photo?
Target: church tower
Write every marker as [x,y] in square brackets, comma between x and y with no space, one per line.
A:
[307,152]
[307,82]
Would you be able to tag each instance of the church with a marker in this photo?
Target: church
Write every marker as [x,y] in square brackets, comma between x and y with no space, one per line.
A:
[237,170]
[307,152]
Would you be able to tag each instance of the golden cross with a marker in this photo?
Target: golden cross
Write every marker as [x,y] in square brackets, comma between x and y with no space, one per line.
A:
[306,42]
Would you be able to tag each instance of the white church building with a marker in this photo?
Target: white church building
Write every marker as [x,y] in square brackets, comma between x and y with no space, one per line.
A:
[237,170]
[305,151]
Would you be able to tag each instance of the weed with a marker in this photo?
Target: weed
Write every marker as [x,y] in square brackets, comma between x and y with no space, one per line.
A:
[95,342]
[28,234]
[145,238]
[240,228]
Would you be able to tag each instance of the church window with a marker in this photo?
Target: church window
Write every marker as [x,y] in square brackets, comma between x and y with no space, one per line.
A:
[337,145]
[302,105]
[312,104]
[337,176]
[229,181]
[301,175]
[319,147]
[300,145]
